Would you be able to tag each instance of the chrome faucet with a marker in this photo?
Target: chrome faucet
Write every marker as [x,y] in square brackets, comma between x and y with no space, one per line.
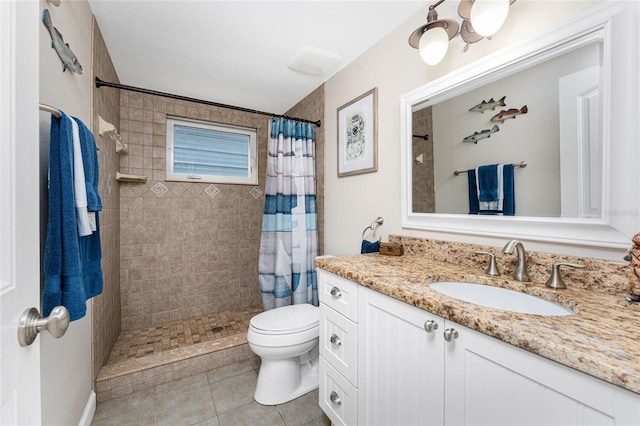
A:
[520,273]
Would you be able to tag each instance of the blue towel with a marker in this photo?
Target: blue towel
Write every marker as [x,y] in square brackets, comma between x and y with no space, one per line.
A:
[509,193]
[488,183]
[508,202]
[69,260]
[473,193]
[369,247]
[90,249]
[90,163]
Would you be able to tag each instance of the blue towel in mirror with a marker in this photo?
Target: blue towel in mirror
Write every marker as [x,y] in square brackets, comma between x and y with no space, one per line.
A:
[508,193]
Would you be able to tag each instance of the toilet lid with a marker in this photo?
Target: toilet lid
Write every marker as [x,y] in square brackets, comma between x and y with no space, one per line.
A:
[287,319]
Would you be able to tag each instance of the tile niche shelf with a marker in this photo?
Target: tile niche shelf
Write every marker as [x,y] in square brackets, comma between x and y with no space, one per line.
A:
[130,178]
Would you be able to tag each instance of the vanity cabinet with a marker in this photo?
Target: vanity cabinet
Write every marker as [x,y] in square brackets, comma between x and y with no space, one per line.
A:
[400,363]
[490,382]
[338,343]
[414,368]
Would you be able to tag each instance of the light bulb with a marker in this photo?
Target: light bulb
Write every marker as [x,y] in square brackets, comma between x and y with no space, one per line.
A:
[487,16]
[433,45]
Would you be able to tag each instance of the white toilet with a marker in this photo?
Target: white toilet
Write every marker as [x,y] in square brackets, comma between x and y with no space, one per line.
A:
[286,339]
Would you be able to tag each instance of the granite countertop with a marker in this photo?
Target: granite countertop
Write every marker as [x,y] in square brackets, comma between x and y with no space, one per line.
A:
[601,339]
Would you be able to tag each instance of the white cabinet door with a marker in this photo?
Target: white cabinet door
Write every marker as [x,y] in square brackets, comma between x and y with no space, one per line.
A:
[489,382]
[400,370]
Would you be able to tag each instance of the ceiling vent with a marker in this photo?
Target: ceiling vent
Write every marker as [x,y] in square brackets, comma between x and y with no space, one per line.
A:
[313,61]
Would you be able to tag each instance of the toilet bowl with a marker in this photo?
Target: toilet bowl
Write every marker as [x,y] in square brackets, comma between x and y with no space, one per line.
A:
[286,340]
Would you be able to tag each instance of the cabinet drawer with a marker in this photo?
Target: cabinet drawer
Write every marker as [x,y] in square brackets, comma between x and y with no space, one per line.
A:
[338,398]
[339,342]
[339,294]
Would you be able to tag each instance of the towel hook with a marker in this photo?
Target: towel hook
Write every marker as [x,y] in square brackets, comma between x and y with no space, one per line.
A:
[373,226]
[104,127]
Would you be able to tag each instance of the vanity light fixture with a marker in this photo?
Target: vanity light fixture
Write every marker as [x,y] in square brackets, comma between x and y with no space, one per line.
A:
[432,39]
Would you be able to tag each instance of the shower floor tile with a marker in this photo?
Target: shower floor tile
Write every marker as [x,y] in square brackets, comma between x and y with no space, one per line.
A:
[181,334]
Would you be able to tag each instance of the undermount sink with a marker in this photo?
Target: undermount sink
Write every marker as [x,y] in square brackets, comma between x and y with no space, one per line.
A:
[501,298]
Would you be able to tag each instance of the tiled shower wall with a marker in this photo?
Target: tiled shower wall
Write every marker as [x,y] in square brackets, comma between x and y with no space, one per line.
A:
[422,173]
[187,249]
[106,307]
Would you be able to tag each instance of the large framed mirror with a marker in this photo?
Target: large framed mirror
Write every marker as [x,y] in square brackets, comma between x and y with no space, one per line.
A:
[563,109]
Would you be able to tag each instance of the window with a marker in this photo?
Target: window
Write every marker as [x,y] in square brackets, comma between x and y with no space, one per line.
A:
[199,151]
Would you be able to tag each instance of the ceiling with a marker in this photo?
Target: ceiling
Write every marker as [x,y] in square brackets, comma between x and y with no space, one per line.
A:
[236,52]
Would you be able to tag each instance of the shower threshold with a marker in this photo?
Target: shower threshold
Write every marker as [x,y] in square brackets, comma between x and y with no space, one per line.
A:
[145,358]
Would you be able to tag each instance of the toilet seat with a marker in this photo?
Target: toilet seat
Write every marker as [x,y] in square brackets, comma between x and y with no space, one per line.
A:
[286,320]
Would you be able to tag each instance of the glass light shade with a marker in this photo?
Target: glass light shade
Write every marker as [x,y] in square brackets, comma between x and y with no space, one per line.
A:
[433,45]
[487,16]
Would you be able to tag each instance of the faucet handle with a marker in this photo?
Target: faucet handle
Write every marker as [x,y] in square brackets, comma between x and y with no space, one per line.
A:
[555,280]
[492,269]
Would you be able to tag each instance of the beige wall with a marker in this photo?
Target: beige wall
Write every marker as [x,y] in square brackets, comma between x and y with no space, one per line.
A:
[106,307]
[395,68]
[65,362]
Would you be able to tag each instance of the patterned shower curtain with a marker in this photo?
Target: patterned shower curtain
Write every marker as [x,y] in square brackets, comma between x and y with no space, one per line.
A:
[289,242]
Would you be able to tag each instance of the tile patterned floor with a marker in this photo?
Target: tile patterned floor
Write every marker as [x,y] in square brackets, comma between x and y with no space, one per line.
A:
[219,397]
[179,334]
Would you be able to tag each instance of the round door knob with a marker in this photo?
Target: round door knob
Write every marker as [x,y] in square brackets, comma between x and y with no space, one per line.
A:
[450,334]
[335,292]
[430,326]
[335,398]
[335,340]
[31,323]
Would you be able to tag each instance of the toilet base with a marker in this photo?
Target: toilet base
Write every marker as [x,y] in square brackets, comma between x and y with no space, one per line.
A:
[280,381]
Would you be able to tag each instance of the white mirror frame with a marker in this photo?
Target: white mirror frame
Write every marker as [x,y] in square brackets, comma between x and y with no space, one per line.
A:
[615,23]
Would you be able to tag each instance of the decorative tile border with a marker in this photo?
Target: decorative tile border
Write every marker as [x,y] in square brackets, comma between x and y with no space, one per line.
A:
[159,189]
[212,191]
[255,192]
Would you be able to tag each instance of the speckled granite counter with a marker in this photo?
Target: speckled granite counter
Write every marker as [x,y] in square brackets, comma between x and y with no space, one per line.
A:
[602,339]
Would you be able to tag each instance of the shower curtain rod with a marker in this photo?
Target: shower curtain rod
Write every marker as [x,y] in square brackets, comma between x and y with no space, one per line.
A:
[101,83]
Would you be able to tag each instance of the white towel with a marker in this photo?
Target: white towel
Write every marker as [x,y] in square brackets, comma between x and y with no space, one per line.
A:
[495,205]
[79,185]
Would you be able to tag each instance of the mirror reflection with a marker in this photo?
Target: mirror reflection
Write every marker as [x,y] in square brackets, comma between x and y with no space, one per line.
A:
[545,119]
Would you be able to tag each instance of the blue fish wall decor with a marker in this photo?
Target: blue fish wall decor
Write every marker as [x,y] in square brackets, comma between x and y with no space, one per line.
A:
[69,60]
[484,105]
[478,136]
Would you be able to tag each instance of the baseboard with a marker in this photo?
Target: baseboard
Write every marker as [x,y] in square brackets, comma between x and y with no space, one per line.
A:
[89,410]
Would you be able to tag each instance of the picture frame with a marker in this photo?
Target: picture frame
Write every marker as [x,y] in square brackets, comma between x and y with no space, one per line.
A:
[358,135]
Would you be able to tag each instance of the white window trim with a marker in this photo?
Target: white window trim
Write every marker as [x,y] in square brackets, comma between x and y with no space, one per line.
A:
[252,179]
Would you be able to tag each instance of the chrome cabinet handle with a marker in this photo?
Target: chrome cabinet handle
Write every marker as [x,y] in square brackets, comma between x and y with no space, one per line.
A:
[31,323]
[335,398]
[430,326]
[335,292]
[335,340]
[450,334]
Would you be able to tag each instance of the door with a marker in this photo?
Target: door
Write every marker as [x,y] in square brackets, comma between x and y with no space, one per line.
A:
[581,144]
[19,211]
[400,374]
[489,382]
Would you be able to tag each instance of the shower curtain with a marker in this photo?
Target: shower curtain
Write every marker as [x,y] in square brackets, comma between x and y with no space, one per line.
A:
[289,241]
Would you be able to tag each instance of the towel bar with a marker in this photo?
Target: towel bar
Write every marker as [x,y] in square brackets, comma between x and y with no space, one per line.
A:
[379,221]
[53,111]
[521,164]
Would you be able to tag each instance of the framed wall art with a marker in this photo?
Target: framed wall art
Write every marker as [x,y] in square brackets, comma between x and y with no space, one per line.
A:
[358,135]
